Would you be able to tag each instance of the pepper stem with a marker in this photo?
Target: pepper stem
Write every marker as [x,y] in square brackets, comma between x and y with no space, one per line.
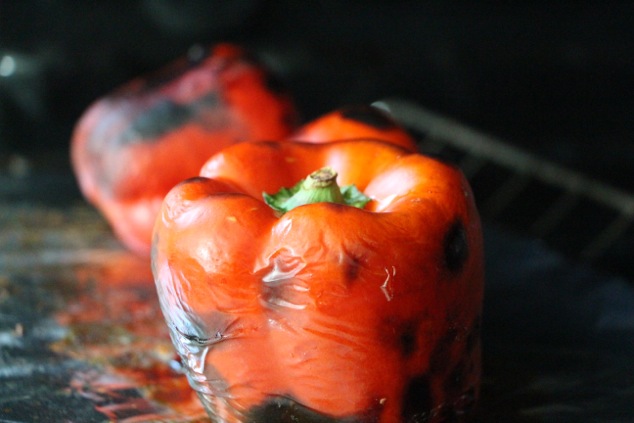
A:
[318,187]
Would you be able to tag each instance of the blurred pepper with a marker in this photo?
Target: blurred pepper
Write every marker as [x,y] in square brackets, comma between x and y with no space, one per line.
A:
[359,306]
[357,121]
[132,146]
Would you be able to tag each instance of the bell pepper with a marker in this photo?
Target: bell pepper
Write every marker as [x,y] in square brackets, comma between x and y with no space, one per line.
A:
[132,146]
[355,297]
[358,121]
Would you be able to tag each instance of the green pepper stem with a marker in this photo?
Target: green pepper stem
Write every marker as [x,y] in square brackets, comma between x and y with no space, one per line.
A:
[319,187]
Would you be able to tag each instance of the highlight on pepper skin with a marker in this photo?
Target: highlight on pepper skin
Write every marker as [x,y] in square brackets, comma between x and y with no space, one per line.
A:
[132,146]
[327,312]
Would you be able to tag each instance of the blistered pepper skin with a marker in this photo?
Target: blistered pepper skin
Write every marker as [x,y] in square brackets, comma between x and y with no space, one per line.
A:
[131,147]
[359,121]
[328,313]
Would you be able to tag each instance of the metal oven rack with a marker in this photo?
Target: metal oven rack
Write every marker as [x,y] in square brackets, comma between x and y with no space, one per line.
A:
[583,218]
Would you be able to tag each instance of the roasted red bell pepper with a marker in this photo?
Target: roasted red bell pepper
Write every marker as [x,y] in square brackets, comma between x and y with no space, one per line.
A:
[357,121]
[132,146]
[359,304]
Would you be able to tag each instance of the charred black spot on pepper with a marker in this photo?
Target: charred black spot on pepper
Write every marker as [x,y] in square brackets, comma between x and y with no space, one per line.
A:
[407,339]
[352,266]
[164,117]
[368,115]
[417,400]
[286,410]
[402,336]
[441,355]
[455,247]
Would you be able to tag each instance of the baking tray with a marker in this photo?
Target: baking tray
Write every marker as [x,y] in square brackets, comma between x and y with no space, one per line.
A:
[82,338]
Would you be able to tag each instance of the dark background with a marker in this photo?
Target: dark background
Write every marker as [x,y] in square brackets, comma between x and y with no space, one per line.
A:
[552,78]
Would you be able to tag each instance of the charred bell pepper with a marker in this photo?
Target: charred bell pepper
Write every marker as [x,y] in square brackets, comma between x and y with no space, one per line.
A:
[358,121]
[342,304]
[132,146]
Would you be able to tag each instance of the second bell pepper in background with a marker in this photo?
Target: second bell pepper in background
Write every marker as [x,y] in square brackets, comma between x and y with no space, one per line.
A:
[133,145]
[357,298]
[357,121]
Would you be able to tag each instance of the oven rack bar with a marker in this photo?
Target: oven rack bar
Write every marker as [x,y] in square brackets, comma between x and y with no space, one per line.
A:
[581,216]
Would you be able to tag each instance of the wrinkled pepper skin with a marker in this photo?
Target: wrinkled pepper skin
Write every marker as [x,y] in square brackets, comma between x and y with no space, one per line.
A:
[131,147]
[357,121]
[327,313]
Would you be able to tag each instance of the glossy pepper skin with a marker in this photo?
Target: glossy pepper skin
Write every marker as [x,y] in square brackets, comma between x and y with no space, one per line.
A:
[358,121]
[327,313]
[132,146]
